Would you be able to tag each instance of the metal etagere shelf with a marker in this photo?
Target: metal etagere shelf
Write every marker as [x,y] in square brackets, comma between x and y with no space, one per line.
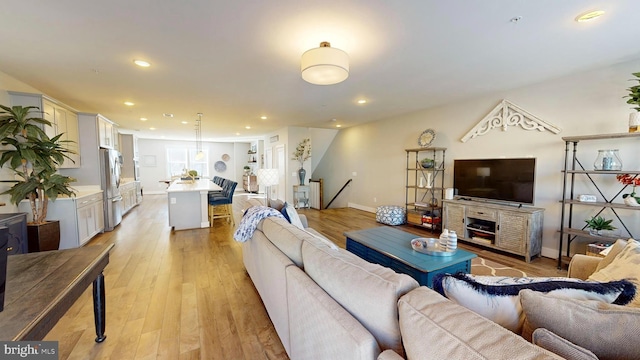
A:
[425,187]
[572,168]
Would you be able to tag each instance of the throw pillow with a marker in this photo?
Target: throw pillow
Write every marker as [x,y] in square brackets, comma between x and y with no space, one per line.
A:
[612,252]
[609,331]
[290,213]
[497,299]
[276,204]
[557,345]
[626,265]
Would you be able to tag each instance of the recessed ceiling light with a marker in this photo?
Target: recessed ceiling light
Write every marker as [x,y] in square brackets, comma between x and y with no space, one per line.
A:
[263,117]
[143,119]
[362,101]
[338,125]
[142,63]
[247,127]
[184,122]
[167,115]
[129,103]
[152,128]
[238,134]
[590,15]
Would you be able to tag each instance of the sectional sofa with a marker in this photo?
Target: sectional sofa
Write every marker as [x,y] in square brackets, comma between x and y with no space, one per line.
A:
[326,303]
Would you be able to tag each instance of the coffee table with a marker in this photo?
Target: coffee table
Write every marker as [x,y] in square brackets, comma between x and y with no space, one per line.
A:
[391,247]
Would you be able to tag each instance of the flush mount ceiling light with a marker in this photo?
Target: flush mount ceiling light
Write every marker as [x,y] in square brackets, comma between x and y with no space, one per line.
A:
[129,103]
[324,65]
[142,63]
[590,15]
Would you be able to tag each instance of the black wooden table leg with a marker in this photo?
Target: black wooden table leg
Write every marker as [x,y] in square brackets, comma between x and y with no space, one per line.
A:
[99,307]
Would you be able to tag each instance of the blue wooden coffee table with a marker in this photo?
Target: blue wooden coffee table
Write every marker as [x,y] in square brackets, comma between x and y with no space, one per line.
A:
[391,247]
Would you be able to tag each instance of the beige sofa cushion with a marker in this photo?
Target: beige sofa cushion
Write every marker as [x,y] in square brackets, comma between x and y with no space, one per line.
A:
[285,237]
[369,292]
[435,328]
[319,327]
[609,331]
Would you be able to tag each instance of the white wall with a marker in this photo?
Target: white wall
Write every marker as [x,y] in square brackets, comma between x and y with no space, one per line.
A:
[152,175]
[580,104]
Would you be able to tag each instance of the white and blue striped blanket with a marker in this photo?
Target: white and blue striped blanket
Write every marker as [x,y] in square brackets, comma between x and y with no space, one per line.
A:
[250,221]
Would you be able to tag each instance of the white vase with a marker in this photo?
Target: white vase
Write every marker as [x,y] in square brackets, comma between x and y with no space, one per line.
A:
[631,201]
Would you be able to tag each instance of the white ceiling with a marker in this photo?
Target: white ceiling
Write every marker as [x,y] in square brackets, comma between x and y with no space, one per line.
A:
[235,61]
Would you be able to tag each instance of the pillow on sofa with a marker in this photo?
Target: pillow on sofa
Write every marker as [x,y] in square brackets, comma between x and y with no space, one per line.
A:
[290,213]
[563,347]
[626,265]
[609,331]
[611,253]
[496,297]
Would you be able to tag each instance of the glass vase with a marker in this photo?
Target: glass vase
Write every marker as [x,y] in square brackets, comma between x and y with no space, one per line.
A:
[608,160]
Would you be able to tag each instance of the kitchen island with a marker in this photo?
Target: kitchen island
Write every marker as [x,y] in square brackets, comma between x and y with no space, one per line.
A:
[188,203]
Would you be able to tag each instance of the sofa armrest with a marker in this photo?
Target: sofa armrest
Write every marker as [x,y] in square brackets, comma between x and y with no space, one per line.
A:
[582,266]
[304,221]
[389,355]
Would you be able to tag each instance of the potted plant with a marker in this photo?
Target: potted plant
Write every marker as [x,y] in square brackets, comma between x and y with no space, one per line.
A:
[302,154]
[35,159]
[626,179]
[634,99]
[597,224]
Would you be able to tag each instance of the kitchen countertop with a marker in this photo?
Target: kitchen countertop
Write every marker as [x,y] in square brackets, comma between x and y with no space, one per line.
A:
[188,186]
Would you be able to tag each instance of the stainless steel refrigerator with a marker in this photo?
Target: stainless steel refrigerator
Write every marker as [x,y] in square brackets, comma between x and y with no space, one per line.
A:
[111,161]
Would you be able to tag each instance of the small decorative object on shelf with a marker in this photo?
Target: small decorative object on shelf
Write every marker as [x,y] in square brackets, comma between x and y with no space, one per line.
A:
[597,224]
[626,179]
[427,163]
[634,122]
[608,160]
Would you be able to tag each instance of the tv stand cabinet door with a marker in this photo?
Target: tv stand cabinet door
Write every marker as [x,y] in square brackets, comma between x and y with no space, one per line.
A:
[455,219]
[512,233]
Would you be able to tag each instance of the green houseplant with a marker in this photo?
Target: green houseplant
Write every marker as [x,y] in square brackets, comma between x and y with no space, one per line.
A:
[597,224]
[634,92]
[34,159]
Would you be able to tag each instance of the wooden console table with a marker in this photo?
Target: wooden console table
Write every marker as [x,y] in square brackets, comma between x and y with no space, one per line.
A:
[42,286]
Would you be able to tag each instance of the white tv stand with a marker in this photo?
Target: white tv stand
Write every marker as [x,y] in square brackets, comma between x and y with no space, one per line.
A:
[517,230]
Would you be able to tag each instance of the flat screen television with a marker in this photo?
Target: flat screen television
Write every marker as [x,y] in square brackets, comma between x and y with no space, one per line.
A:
[504,180]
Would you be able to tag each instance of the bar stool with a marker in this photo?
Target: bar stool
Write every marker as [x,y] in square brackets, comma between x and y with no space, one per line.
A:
[221,206]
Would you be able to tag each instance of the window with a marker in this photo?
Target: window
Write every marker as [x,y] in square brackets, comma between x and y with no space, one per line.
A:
[179,159]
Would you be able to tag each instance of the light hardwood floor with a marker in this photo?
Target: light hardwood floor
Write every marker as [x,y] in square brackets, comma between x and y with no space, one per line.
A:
[185,294]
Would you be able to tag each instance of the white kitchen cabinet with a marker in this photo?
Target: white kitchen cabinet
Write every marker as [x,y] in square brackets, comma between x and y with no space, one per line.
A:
[106,131]
[64,120]
[129,197]
[81,217]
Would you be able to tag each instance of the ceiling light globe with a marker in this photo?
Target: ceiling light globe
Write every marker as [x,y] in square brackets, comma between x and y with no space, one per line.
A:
[324,65]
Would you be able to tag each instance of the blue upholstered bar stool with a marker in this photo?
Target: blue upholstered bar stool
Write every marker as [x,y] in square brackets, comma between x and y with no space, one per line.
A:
[221,206]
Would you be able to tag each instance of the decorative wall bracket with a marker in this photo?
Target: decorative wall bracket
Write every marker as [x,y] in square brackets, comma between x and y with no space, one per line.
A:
[507,114]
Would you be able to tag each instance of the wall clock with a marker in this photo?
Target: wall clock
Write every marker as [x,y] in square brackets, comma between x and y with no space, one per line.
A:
[426,138]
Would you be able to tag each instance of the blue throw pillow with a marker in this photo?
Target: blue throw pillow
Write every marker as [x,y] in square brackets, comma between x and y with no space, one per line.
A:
[283,211]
